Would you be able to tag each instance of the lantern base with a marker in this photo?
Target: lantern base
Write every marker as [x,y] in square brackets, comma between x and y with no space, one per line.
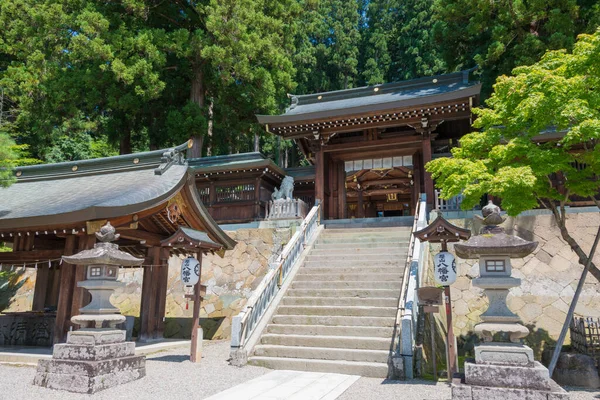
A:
[90,361]
[98,321]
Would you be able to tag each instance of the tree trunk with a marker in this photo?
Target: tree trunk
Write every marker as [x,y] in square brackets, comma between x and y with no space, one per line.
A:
[256,142]
[564,232]
[210,127]
[198,96]
[125,143]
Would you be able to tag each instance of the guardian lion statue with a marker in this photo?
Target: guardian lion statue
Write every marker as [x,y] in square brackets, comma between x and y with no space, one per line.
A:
[285,190]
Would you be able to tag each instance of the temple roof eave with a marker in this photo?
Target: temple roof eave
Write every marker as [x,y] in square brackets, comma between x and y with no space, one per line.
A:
[341,110]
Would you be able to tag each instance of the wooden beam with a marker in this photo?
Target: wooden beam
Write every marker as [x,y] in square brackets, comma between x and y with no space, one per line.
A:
[152,239]
[373,144]
[41,287]
[17,257]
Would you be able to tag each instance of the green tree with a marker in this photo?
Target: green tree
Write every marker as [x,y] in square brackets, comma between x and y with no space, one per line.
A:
[7,159]
[501,35]
[143,73]
[328,46]
[398,42]
[510,157]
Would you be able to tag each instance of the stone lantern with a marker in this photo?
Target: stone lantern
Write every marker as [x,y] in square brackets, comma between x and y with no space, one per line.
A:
[504,368]
[96,356]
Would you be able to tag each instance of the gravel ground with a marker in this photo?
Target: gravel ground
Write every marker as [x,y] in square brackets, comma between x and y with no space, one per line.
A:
[171,376]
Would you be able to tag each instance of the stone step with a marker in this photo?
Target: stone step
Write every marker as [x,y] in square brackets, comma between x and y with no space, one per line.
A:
[359,276]
[354,311]
[345,342]
[332,293]
[352,258]
[357,240]
[389,269]
[324,330]
[329,320]
[362,368]
[365,251]
[340,301]
[347,285]
[360,246]
[322,353]
[399,261]
[367,230]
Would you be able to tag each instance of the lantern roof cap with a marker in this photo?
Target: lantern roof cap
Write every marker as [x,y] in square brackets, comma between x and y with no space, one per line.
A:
[105,252]
[441,230]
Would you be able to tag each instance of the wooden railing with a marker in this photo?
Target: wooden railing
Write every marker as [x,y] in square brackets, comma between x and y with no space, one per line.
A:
[452,204]
[243,324]
[406,318]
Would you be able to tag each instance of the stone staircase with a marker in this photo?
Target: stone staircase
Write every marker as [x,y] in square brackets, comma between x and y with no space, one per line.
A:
[338,314]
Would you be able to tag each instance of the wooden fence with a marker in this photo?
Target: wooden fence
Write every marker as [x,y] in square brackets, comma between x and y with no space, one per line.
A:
[585,336]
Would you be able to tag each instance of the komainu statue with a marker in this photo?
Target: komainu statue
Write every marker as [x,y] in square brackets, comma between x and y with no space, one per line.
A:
[285,190]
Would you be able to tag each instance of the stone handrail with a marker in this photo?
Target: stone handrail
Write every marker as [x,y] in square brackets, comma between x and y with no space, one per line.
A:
[245,322]
[407,315]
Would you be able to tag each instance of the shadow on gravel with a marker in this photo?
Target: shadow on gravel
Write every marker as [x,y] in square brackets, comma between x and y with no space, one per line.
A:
[172,358]
[408,383]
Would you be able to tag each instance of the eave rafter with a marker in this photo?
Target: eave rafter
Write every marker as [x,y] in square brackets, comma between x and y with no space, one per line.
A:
[386,119]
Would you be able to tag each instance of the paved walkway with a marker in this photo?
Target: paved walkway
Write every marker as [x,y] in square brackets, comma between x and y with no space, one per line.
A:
[290,385]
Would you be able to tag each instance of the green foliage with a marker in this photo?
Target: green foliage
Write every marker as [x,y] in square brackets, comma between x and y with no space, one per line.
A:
[10,283]
[8,156]
[507,159]
[86,72]
[501,35]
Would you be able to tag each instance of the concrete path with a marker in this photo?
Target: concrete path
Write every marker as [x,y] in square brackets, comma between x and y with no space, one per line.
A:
[290,385]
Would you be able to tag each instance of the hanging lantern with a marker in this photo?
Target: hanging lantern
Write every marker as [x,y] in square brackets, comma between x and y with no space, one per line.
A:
[444,268]
[190,271]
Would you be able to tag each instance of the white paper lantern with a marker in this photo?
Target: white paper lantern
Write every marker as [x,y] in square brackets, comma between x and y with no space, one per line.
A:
[190,271]
[444,268]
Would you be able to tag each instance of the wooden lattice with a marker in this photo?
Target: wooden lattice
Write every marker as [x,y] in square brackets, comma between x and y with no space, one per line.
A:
[585,336]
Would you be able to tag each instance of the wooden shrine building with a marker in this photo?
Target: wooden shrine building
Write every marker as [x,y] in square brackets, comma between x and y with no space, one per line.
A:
[369,144]
[236,188]
[54,210]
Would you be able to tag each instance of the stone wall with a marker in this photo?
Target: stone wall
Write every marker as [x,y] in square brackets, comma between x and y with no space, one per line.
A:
[549,276]
[230,281]
[23,300]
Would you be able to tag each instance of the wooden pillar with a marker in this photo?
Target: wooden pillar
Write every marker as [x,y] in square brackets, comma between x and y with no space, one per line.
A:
[196,314]
[342,207]
[41,287]
[426,158]
[320,170]
[416,188]
[360,212]
[150,297]
[333,175]
[80,295]
[65,297]
[257,214]
[163,280]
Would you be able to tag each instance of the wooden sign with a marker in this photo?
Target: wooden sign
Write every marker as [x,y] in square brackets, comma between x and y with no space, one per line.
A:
[444,268]
[190,271]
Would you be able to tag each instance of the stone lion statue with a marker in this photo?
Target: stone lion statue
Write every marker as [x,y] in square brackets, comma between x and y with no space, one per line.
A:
[285,190]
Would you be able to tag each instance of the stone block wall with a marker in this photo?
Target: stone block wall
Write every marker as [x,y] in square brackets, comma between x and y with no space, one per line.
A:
[230,281]
[549,276]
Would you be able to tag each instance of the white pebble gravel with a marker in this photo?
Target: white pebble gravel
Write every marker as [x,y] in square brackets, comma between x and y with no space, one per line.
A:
[170,375]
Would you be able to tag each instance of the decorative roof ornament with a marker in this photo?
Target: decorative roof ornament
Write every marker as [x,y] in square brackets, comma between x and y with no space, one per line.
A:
[174,156]
[107,233]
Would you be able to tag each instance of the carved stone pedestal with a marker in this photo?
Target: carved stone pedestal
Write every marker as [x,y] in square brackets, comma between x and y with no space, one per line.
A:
[90,361]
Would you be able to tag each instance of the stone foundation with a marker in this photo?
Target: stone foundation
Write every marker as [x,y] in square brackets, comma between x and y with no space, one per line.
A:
[549,276]
[90,361]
